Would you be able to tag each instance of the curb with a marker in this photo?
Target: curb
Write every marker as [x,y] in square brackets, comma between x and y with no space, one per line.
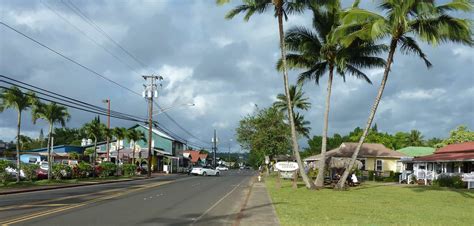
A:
[70,186]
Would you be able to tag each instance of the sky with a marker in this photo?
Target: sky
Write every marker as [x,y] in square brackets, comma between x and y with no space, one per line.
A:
[225,67]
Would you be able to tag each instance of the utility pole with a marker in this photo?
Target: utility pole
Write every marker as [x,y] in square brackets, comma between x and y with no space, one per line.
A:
[151,91]
[230,141]
[108,127]
[214,146]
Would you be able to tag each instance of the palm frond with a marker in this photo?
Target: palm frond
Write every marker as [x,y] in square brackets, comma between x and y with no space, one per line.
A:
[357,73]
[409,45]
[315,73]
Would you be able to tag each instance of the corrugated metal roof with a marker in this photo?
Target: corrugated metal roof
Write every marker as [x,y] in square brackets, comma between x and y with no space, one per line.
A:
[417,151]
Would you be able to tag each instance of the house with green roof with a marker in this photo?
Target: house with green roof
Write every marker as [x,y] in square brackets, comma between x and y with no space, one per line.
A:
[417,151]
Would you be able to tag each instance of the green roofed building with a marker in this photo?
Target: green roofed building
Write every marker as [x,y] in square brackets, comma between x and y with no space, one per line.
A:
[417,151]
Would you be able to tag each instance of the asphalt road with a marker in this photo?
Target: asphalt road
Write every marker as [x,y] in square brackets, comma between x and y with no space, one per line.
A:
[165,200]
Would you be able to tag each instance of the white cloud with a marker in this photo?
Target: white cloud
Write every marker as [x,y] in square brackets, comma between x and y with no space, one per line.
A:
[421,94]
[222,41]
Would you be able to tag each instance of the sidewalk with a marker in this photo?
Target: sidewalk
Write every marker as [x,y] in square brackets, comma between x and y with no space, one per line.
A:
[6,191]
[259,209]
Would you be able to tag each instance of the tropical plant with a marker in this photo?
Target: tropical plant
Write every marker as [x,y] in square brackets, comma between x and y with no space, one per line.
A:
[120,134]
[134,136]
[4,174]
[401,23]
[298,101]
[302,126]
[94,129]
[14,98]
[108,134]
[129,169]
[281,8]
[320,50]
[29,170]
[107,169]
[60,171]
[415,138]
[53,114]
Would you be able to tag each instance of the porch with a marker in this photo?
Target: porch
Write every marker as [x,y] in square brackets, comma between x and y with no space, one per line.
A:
[427,172]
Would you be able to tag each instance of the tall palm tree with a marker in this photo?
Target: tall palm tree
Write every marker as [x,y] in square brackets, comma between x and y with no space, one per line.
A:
[94,129]
[281,8]
[14,98]
[23,140]
[298,101]
[108,134]
[120,134]
[53,114]
[319,51]
[401,23]
[133,136]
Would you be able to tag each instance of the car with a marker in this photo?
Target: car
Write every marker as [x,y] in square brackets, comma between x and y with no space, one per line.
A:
[222,168]
[205,171]
[44,165]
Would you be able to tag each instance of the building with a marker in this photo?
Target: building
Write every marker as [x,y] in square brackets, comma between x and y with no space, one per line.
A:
[450,160]
[196,157]
[373,156]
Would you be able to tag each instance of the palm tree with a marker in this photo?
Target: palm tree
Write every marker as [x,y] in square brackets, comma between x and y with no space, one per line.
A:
[14,98]
[108,134]
[133,136]
[120,134]
[320,51]
[281,8]
[94,129]
[298,101]
[415,138]
[24,140]
[403,21]
[53,114]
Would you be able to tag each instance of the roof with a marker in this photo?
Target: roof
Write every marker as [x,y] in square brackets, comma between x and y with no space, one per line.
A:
[453,152]
[159,133]
[370,150]
[416,151]
[195,155]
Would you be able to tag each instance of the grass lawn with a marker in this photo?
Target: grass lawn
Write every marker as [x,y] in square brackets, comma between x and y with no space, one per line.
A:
[372,204]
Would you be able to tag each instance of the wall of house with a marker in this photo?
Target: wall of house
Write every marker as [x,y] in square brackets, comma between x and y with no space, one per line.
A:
[387,164]
[162,143]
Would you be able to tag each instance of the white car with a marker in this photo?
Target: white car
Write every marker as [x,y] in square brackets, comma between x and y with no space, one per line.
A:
[222,168]
[205,171]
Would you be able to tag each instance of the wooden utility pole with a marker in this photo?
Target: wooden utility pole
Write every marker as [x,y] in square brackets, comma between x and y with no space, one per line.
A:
[108,127]
[150,92]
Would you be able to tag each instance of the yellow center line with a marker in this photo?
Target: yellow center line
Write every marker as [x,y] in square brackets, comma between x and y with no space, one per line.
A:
[72,206]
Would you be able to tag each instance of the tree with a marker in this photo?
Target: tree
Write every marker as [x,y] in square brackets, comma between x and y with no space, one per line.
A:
[120,134]
[14,98]
[321,51]
[133,136]
[460,135]
[281,8]
[415,138]
[53,114]
[298,101]
[108,134]
[68,136]
[403,20]
[41,137]
[24,140]
[93,130]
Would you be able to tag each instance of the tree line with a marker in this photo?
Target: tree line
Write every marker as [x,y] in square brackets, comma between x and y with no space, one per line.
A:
[346,41]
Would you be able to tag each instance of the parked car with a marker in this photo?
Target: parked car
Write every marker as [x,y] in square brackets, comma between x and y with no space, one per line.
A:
[41,174]
[44,166]
[205,171]
[222,168]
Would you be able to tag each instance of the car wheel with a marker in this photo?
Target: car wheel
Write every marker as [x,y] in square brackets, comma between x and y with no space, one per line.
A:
[217,174]
[204,174]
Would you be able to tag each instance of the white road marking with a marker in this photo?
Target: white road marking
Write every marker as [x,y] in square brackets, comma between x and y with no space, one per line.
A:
[215,204]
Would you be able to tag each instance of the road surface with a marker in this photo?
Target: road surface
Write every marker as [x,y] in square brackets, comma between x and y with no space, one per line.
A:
[165,200]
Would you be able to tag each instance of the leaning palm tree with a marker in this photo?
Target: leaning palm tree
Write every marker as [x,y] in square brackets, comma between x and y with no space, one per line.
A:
[14,98]
[281,8]
[133,136]
[94,129]
[319,51]
[401,23]
[53,114]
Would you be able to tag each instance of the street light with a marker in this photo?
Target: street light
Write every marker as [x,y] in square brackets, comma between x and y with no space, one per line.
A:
[169,108]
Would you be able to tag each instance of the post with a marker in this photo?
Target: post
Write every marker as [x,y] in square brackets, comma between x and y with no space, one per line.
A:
[108,127]
[149,93]
[215,149]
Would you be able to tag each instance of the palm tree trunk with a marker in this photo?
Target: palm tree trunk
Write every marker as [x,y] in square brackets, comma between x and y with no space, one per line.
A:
[18,147]
[309,184]
[133,154]
[322,163]
[50,164]
[393,46]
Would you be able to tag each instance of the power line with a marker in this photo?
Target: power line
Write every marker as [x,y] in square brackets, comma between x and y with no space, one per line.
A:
[68,58]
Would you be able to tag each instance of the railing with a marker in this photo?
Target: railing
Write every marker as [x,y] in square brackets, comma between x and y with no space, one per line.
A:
[469,178]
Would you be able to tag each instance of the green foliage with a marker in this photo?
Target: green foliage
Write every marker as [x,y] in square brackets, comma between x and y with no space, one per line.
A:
[82,170]
[68,136]
[459,135]
[129,169]
[313,173]
[61,171]
[74,155]
[29,170]
[107,169]
[449,181]
[5,176]
[264,133]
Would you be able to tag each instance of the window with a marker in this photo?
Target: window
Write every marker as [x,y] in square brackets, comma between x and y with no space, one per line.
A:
[378,165]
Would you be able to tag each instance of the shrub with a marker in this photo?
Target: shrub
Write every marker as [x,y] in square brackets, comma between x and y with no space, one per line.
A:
[313,173]
[83,169]
[4,174]
[449,181]
[30,171]
[129,169]
[60,171]
[107,169]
